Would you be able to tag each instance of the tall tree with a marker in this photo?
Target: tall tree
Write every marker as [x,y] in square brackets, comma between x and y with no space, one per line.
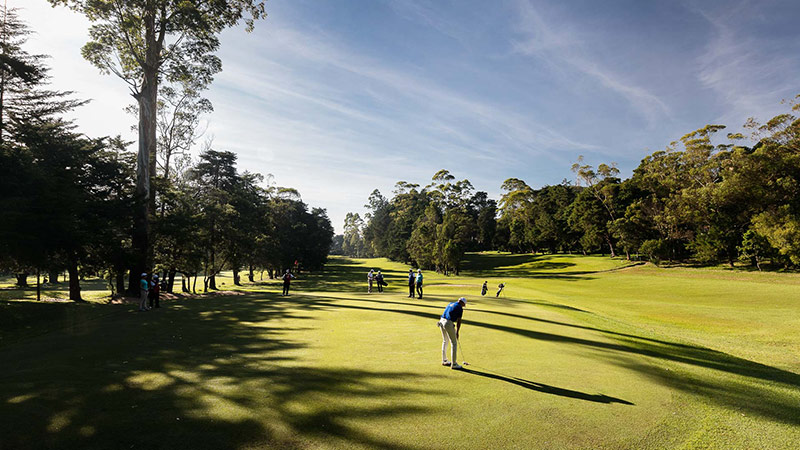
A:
[353,238]
[143,42]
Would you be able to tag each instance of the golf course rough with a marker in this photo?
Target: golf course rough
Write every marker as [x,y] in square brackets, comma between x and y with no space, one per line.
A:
[579,352]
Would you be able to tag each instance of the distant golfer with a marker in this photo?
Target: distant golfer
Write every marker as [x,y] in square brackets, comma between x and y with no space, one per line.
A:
[419,283]
[450,324]
[370,280]
[287,280]
[485,288]
[499,289]
[155,292]
[379,280]
[411,281]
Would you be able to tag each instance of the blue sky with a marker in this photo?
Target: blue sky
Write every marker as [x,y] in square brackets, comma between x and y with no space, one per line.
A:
[338,98]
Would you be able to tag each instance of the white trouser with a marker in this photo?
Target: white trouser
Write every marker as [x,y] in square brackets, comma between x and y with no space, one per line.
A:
[143,300]
[449,334]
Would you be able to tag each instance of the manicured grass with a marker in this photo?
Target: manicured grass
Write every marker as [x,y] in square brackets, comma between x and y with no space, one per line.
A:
[579,352]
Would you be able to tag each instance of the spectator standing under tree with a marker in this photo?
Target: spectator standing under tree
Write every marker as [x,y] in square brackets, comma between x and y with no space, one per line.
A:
[411,280]
[143,290]
[155,291]
[287,280]
[379,279]
[370,280]
[419,283]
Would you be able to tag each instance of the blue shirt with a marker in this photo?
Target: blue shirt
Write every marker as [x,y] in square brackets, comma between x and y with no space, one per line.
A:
[453,311]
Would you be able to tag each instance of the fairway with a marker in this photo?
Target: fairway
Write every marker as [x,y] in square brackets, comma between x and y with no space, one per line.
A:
[578,352]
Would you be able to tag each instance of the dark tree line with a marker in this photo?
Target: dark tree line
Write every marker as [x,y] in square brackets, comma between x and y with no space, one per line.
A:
[696,201]
[70,201]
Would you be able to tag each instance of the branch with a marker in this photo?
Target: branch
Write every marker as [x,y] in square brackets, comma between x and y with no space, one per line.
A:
[126,36]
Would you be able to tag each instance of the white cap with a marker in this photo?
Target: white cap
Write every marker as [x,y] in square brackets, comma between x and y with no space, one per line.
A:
[463,300]
[144,274]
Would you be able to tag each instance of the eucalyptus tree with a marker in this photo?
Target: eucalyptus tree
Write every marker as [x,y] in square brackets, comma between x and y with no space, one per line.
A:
[353,238]
[603,185]
[144,42]
[513,207]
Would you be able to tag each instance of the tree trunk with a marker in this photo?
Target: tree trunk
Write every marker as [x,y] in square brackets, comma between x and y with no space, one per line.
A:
[22,279]
[271,274]
[212,282]
[237,280]
[194,286]
[171,279]
[120,280]
[146,157]
[38,287]
[74,281]
[251,275]
[52,276]
[610,246]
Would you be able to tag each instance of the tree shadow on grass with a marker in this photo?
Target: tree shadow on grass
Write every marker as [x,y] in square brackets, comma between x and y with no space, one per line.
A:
[346,275]
[728,380]
[547,389]
[218,372]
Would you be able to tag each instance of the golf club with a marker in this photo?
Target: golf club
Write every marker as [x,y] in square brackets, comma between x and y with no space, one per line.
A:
[463,362]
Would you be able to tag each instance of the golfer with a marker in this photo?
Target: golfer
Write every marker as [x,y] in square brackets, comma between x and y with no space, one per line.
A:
[419,283]
[287,281]
[370,280]
[450,324]
[484,288]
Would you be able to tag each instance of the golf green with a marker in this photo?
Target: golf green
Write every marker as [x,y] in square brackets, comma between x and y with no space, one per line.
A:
[576,352]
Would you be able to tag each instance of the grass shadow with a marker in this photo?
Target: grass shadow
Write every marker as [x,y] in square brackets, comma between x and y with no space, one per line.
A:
[547,389]
[194,374]
[724,369]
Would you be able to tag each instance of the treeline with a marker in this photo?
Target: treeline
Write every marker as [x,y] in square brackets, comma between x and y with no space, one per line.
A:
[70,202]
[696,201]
[432,226]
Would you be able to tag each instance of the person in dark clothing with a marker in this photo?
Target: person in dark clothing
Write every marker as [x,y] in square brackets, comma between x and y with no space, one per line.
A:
[379,279]
[287,279]
[419,283]
[485,288]
[411,281]
[154,292]
[500,289]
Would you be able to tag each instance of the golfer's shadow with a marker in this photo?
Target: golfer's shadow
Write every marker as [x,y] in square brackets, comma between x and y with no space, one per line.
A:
[547,389]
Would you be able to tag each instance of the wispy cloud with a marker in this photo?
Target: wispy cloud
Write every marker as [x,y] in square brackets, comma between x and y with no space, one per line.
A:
[563,46]
[749,74]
